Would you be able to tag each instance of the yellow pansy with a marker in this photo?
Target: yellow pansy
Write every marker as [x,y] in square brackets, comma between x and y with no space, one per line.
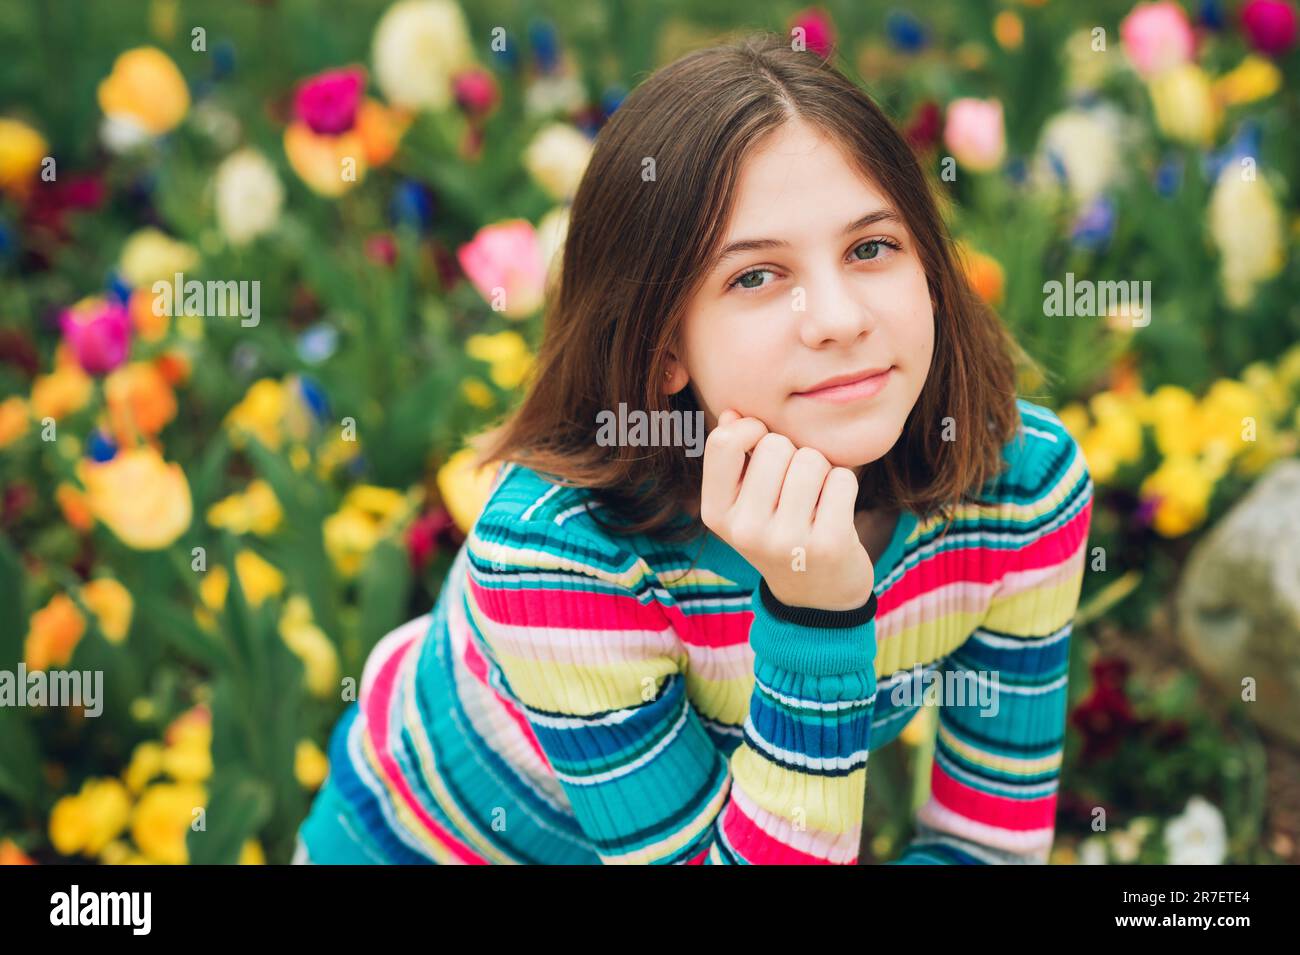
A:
[146,765]
[1253,79]
[112,606]
[146,89]
[1172,412]
[1181,489]
[259,414]
[90,820]
[162,819]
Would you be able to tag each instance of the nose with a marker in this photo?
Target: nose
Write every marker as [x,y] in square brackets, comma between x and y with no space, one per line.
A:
[835,312]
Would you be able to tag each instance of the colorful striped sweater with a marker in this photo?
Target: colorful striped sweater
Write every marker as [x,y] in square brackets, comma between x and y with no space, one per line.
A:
[577,696]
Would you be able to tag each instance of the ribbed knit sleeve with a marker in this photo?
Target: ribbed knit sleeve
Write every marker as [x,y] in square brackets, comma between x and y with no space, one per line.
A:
[997,755]
[577,629]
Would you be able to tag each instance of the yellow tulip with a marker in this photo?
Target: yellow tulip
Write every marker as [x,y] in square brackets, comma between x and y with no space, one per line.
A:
[14,420]
[151,255]
[146,89]
[87,822]
[255,511]
[1255,78]
[329,165]
[350,534]
[141,498]
[506,354]
[310,644]
[112,606]
[1181,489]
[22,150]
[1172,412]
[1184,104]
[465,489]
[252,854]
[259,414]
[146,764]
[62,392]
[309,764]
[54,632]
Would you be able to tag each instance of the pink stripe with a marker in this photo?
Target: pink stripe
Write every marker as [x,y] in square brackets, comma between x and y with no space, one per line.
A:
[478,667]
[757,846]
[376,710]
[574,610]
[1000,812]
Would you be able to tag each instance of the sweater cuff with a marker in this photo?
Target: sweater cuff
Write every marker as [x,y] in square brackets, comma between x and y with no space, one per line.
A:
[810,640]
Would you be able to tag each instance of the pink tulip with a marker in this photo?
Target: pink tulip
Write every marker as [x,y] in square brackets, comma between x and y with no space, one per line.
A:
[819,31]
[974,133]
[475,90]
[99,334]
[328,102]
[1157,36]
[504,261]
[1270,25]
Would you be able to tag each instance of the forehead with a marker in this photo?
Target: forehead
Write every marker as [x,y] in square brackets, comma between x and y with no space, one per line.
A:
[795,176]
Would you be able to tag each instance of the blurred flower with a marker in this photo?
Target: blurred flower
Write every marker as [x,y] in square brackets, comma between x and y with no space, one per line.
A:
[1083,150]
[1255,78]
[1180,491]
[556,159]
[381,249]
[187,750]
[309,644]
[1115,440]
[925,127]
[162,818]
[506,354]
[818,30]
[1223,415]
[422,537]
[476,91]
[257,579]
[1157,37]
[259,414]
[63,391]
[98,333]
[1184,105]
[1008,30]
[15,417]
[381,130]
[1104,717]
[73,506]
[146,765]
[309,764]
[140,402]
[1085,69]
[1269,25]
[464,489]
[504,262]
[22,150]
[329,165]
[418,46]
[477,393]
[53,633]
[983,272]
[112,606]
[248,196]
[412,205]
[1198,836]
[552,230]
[10,854]
[87,822]
[328,101]
[148,324]
[905,32]
[1245,225]
[150,255]
[1094,225]
[366,516]
[1092,851]
[255,511]
[974,133]
[144,500]
[251,854]
[144,95]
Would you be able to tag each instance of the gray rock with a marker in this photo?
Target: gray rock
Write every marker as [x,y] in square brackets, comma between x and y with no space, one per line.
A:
[1239,601]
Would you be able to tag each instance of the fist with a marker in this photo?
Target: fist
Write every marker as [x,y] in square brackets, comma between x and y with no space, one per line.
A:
[788,512]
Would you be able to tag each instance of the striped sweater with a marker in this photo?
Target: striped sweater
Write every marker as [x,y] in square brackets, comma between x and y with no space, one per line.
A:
[577,696]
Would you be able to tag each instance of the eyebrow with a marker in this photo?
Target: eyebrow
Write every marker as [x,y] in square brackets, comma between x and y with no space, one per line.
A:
[755,245]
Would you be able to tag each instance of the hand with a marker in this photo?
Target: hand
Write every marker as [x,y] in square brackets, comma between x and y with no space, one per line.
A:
[788,512]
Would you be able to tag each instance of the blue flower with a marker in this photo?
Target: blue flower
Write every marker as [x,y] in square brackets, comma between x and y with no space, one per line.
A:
[100,447]
[318,343]
[545,44]
[1169,176]
[223,60]
[612,99]
[1244,145]
[117,287]
[313,395]
[1211,14]
[1094,226]
[412,205]
[905,32]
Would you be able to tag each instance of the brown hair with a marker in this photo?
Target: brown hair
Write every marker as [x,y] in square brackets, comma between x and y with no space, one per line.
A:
[636,251]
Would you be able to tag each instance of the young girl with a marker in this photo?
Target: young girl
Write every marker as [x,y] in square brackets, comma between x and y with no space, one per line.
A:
[644,654]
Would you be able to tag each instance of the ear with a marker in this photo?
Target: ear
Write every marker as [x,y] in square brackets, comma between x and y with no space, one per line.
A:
[675,376]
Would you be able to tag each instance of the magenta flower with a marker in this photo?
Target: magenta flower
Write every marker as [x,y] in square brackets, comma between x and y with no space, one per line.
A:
[818,30]
[1270,25]
[475,90]
[328,102]
[98,332]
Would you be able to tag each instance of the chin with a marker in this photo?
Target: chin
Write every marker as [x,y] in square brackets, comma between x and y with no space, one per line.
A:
[851,448]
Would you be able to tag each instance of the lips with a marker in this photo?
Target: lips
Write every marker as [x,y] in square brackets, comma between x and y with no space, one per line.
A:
[852,378]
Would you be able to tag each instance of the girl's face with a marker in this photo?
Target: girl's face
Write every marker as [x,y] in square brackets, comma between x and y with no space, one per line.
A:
[819,283]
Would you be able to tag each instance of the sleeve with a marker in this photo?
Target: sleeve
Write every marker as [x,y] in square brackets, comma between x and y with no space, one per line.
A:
[1002,717]
[590,653]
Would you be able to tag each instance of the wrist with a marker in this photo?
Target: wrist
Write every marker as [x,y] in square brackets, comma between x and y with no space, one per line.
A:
[827,616]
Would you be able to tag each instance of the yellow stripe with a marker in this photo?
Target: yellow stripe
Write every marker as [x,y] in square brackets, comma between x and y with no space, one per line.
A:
[1005,764]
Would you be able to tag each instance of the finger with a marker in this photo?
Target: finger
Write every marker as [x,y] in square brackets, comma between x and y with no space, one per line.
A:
[724,462]
[803,483]
[761,487]
[839,496]
[727,417]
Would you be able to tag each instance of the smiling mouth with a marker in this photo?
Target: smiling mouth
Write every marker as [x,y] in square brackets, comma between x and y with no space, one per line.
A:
[855,387]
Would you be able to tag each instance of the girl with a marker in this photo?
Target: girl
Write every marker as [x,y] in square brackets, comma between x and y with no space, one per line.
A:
[643,654]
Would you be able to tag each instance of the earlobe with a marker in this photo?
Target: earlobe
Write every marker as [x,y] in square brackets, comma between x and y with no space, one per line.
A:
[675,377]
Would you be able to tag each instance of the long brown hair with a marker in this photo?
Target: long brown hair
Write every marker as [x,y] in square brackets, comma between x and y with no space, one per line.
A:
[637,247]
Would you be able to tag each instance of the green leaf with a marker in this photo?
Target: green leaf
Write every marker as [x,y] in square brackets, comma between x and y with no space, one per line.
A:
[239,805]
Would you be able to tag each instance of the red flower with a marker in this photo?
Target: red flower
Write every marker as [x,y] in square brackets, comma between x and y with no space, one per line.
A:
[925,127]
[1270,25]
[422,537]
[328,102]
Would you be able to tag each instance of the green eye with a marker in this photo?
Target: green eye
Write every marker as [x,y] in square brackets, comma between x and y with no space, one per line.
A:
[873,246]
[751,280]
